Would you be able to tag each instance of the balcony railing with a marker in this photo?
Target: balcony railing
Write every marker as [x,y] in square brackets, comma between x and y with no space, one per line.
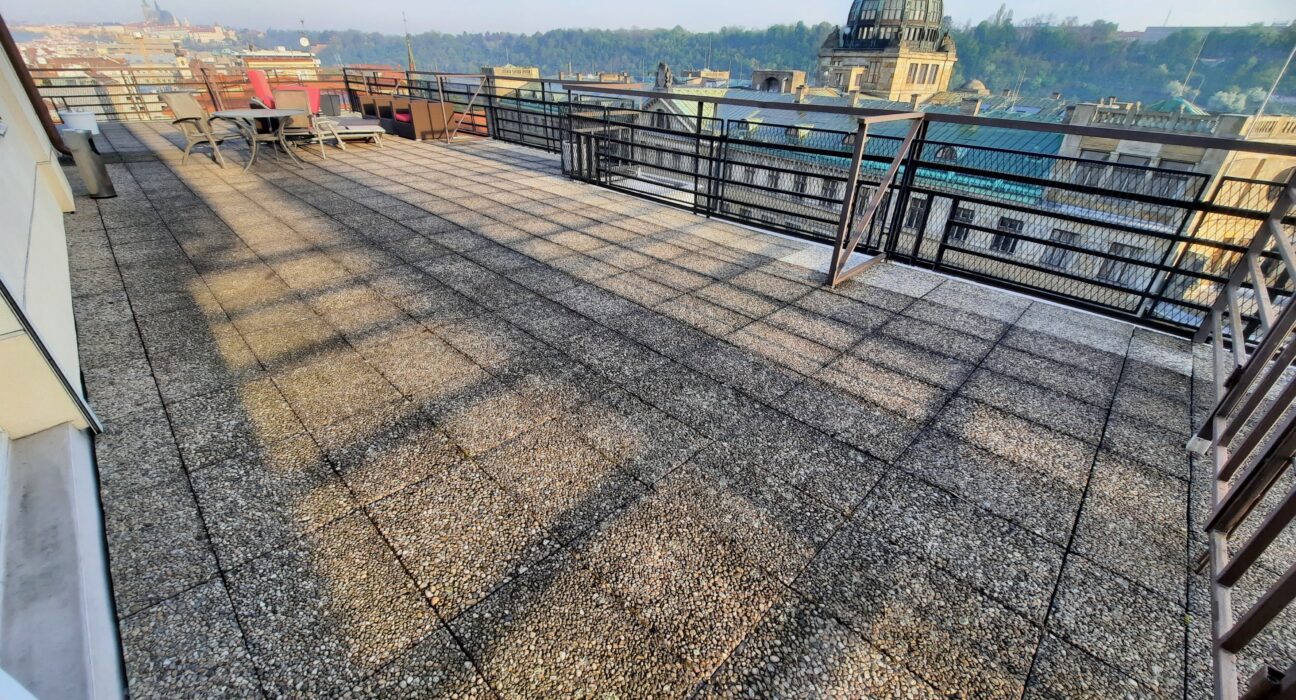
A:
[135,94]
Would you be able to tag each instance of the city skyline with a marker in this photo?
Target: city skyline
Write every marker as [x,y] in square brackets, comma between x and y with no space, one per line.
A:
[518,16]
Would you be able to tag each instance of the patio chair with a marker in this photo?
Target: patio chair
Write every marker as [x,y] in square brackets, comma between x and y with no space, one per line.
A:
[194,123]
[306,128]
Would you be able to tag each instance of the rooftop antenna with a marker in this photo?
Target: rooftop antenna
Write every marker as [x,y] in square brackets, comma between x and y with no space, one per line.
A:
[708,61]
[303,39]
[409,47]
[1192,67]
[1265,102]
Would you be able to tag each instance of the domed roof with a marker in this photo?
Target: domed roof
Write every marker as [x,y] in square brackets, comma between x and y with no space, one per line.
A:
[881,23]
[973,85]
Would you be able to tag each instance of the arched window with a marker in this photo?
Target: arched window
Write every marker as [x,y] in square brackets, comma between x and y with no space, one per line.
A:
[947,154]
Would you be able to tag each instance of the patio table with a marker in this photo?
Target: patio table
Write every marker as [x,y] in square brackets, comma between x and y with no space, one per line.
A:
[245,121]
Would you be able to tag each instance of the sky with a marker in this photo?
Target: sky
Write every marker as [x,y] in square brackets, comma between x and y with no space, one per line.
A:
[539,15]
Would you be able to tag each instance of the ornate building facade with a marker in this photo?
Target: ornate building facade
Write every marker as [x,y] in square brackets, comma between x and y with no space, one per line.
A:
[890,49]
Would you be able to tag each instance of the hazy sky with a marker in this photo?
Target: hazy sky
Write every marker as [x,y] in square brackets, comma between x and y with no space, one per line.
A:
[534,15]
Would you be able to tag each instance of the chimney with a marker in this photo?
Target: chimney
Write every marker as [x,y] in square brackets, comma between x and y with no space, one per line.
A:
[854,96]
[971,106]
[1056,95]
[801,91]
[1007,92]
[913,101]
[1111,99]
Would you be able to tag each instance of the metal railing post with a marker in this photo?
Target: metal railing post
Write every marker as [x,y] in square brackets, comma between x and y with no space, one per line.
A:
[848,202]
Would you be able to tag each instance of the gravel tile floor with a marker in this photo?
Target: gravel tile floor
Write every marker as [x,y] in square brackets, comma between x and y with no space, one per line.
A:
[436,421]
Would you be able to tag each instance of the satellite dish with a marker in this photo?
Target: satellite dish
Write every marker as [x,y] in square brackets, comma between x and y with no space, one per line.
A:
[304,42]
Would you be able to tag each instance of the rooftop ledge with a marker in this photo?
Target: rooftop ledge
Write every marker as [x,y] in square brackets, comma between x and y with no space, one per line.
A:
[434,420]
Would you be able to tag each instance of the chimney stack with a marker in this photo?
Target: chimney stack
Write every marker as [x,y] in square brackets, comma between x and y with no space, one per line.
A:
[913,101]
[971,106]
[1007,92]
[1111,99]
[1056,95]
[854,96]
[801,91]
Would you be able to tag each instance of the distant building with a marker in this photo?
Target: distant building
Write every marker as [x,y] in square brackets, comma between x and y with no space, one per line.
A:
[509,70]
[784,81]
[303,64]
[703,77]
[155,14]
[890,49]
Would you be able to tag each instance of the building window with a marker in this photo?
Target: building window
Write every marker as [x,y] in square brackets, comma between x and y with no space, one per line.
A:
[1119,271]
[1171,185]
[772,179]
[915,217]
[831,189]
[913,73]
[1090,174]
[1003,242]
[947,154]
[962,218]
[661,120]
[749,174]
[1060,258]
[1129,178]
[800,183]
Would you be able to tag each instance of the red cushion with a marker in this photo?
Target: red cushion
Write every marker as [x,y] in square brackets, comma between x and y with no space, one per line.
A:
[404,117]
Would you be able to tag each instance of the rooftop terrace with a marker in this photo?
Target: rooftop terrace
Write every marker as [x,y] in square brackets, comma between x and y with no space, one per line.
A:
[433,420]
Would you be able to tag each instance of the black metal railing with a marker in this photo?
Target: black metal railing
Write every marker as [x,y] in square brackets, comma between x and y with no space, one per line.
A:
[996,200]
[135,94]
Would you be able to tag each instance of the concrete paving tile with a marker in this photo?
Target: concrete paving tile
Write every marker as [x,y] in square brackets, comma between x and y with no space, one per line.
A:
[157,545]
[898,393]
[612,355]
[1168,412]
[959,640]
[697,401]
[186,646]
[418,362]
[712,319]
[778,527]
[595,303]
[1044,501]
[294,345]
[546,320]
[1118,622]
[485,414]
[771,286]
[834,473]
[782,348]
[253,502]
[813,326]
[122,389]
[845,310]
[734,298]
[1034,403]
[740,370]
[1061,350]
[184,375]
[382,451]
[1003,434]
[1134,522]
[564,483]
[542,279]
[555,632]
[328,610]
[937,338]
[644,441]
[868,427]
[136,451]
[435,667]
[800,651]
[1155,379]
[1093,388]
[489,340]
[899,280]
[1065,672]
[697,591]
[1015,567]
[553,381]
[461,535]
[1148,444]
[663,335]
[1078,326]
[932,368]
[332,388]
[244,418]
